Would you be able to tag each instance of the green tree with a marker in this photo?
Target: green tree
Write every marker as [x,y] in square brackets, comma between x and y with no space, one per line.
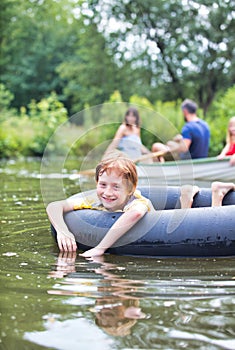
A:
[177,48]
[89,72]
[35,38]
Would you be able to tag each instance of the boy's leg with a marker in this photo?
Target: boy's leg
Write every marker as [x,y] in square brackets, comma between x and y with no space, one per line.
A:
[187,194]
[219,190]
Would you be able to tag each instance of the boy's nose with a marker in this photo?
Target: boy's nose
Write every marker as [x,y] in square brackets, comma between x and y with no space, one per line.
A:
[108,191]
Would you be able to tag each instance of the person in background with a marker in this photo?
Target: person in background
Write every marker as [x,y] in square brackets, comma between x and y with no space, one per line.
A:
[194,138]
[127,138]
[116,180]
[229,148]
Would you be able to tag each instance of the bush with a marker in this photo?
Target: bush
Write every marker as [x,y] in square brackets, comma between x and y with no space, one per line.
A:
[16,135]
[27,133]
[5,100]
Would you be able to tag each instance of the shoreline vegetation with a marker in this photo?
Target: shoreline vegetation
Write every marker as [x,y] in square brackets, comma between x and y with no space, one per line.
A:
[28,131]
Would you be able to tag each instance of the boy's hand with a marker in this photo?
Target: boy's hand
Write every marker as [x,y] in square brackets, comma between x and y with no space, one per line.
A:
[66,242]
[93,252]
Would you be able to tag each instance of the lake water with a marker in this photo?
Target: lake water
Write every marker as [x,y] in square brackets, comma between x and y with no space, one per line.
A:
[62,301]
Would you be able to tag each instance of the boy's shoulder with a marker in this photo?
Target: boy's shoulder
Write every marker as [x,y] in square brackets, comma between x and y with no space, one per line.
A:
[138,199]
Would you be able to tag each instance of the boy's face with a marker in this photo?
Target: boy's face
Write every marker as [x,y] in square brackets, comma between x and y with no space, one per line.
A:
[112,191]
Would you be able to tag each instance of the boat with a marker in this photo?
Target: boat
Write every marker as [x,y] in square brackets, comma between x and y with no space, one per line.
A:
[200,231]
[187,171]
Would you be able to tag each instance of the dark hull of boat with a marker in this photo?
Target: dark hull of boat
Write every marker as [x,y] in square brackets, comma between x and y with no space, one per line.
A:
[202,231]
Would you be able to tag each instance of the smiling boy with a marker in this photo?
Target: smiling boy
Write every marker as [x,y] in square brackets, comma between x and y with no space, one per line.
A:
[116,180]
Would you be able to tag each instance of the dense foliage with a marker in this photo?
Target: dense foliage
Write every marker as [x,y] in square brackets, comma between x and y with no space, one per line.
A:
[60,57]
[30,131]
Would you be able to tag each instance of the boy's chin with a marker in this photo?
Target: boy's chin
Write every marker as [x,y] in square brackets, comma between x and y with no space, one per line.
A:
[109,206]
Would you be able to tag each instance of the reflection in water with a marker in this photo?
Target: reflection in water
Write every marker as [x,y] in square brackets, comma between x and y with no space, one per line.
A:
[115,312]
[191,311]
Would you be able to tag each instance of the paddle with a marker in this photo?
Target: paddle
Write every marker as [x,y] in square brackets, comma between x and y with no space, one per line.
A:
[90,172]
[150,155]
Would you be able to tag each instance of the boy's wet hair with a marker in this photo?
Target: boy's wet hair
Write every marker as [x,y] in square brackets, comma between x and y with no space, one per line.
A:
[121,165]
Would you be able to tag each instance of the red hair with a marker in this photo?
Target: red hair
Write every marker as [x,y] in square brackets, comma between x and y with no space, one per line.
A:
[122,166]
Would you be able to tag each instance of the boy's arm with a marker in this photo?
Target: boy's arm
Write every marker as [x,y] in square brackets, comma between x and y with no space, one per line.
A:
[65,238]
[125,222]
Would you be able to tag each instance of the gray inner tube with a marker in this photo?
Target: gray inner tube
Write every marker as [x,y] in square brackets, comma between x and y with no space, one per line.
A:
[168,231]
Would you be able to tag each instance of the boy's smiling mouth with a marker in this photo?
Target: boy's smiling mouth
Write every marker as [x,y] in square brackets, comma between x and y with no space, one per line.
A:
[108,199]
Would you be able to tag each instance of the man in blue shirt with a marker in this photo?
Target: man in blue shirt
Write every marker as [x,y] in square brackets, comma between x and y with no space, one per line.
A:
[195,135]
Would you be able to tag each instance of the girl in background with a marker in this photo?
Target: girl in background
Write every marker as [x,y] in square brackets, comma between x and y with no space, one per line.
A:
[127,138]
[229,148]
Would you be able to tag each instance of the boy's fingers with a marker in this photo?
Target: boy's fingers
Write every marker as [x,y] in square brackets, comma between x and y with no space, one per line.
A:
[74,246]
[66,244]
[60,244]
[71,243]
